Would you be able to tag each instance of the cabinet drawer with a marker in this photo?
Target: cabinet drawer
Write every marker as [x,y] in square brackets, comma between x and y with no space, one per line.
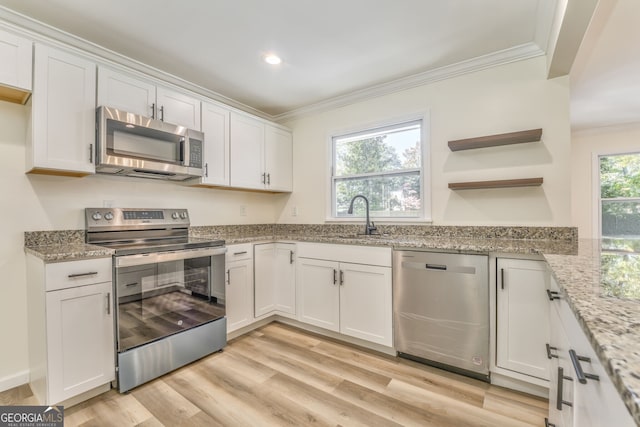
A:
[71,274]
[239,252]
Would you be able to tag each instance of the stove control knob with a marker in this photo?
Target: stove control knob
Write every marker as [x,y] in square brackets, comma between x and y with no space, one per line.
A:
[175,215]
[97,216]
[108,216]
[183,215]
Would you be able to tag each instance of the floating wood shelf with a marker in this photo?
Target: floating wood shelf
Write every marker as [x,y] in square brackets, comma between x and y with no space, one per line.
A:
[521,137]
[503,183]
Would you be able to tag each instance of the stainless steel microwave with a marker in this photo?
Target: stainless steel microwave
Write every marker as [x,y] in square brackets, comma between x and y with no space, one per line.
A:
[134,145]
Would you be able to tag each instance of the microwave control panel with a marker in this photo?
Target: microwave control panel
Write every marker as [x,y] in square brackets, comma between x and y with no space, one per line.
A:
[195,153]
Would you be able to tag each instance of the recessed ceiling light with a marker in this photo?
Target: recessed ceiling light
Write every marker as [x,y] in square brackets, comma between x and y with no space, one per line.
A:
[272,59]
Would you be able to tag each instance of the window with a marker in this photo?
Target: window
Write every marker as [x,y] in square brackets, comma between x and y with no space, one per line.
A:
[385,166]
[620,195]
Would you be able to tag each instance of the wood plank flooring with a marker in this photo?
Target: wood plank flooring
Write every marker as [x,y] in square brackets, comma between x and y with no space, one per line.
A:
[281,376]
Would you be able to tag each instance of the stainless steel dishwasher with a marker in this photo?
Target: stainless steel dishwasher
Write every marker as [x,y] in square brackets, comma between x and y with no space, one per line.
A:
[441,310]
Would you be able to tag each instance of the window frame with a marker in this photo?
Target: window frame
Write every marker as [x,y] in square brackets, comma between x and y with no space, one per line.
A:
[597,190]
[424,170]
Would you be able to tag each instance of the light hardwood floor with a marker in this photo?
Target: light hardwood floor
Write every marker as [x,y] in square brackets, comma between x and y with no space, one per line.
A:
[281,376]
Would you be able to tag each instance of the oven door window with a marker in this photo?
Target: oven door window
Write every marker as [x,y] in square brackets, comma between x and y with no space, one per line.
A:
[157,300]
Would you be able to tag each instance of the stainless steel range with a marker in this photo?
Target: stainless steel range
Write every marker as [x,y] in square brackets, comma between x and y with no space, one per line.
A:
[168,287]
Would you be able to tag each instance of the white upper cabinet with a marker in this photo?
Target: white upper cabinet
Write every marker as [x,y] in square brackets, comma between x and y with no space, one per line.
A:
[261,155]
[63,113]
[278,159]
[215,126]
[15,67]
[178,108]
[143,97]
[125,93]
[247,156]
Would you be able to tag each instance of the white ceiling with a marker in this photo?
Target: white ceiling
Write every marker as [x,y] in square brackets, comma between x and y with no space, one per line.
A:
[330,48]
[605,79]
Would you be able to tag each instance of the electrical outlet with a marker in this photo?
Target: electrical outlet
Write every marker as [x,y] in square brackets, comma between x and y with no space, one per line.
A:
[107,203]
[243,210]
[294,211]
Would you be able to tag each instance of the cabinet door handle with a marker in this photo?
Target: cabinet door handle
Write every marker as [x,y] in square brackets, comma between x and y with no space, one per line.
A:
[582,376]
[263,180]
[335,276]
[75,276]
[553,295]
[290,257]
[91,153]
[153,110]
[559,401]
[549,355]
[108,303]
[547,423]
[228,277]
[268,179]
[162,113]
[502,278]
[341,277]
[206,170]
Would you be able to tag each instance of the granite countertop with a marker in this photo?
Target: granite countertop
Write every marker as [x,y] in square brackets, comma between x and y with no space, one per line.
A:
[59,252]
[602,287]
[607,310]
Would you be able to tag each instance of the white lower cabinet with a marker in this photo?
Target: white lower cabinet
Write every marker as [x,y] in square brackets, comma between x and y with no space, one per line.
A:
[318,293]
[71,337]
[239,286]
[581,399]
[522,317]
[350,298]
[275,279]
[79,339]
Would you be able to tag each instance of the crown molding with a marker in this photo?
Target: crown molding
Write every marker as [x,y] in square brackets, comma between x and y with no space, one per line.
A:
[40,32]
[517,53]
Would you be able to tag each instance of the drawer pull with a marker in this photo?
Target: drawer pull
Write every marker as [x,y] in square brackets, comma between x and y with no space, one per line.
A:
[582,377]
[553,295]
[75,276]
[559,397]
[549,354]
[128,285]
[240,253]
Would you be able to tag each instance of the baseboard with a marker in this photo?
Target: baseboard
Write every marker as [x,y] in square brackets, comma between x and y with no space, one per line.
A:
[15,380]
[515,384]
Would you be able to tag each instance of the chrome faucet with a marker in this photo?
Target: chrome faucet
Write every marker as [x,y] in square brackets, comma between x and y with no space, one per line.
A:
[369,227]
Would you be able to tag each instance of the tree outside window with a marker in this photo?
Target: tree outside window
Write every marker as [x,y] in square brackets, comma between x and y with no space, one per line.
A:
[384,165]
[620,225]
[620,195]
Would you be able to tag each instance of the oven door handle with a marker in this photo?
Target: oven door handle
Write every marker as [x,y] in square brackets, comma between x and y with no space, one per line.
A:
[156,257]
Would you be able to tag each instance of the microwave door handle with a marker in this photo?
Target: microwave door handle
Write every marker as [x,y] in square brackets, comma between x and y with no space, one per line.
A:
[182,149]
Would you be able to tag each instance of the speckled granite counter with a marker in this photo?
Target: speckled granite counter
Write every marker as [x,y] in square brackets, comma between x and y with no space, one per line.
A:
[67,252]
[605,299]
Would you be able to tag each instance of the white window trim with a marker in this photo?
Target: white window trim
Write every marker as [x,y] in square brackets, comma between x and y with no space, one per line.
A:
[425,147]
[596,230]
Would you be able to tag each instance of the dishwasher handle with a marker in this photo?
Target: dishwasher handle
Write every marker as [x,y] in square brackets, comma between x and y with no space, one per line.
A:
[440,267]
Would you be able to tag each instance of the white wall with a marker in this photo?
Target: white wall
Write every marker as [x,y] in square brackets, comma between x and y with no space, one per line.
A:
[509,98]
[38,202]
[584,146]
